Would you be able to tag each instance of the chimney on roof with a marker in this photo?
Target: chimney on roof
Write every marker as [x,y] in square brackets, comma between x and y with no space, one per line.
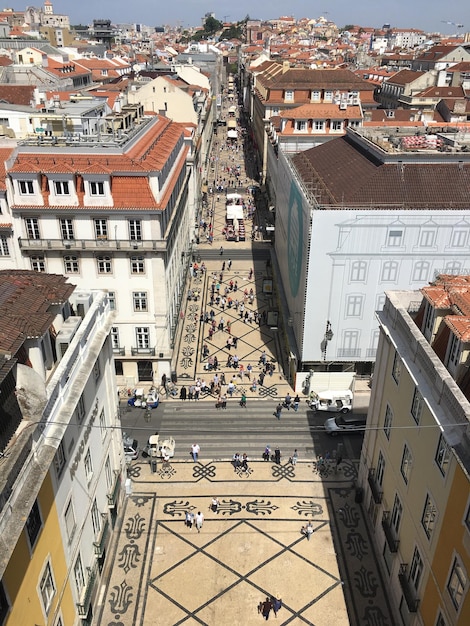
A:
[285,66]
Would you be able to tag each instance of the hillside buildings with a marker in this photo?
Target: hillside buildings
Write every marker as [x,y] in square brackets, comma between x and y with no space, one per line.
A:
[62,466]
[415,458]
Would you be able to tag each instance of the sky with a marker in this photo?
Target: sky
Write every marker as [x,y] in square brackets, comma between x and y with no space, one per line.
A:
[428,15]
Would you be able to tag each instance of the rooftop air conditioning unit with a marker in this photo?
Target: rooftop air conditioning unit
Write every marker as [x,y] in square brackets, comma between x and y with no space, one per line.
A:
[343,106]
[66,334]
[83,301]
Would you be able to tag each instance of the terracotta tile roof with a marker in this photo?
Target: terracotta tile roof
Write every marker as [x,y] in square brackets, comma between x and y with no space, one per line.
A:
[25,301]
[348,175]
[442,92]
[128,171]
[323,111]
[404,77]
[17,94]
[5,154]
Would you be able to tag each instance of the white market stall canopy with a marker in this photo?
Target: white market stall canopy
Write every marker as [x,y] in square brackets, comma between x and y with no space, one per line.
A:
[232,109]
[235,212]
[232,134]
[231,123]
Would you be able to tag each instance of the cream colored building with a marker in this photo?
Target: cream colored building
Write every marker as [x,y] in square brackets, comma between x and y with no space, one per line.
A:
[416,454]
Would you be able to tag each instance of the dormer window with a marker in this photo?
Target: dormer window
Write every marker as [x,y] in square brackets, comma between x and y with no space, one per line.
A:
[301,126]
[328,96]
[61,188]
[96,188]
[26,187]
[289,95]
[316,96]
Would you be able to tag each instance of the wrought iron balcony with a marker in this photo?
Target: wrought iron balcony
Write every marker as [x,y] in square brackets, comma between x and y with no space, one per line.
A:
[147,351]
[113,495]
[95,245]
[100,544]
[392,541]
[409,592]
[85,596]
[377,492]
[121,351]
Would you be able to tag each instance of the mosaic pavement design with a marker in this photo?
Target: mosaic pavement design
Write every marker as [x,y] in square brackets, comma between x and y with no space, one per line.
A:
[167,574]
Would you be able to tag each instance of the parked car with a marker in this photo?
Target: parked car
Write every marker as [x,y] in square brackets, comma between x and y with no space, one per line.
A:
[345,424]
[333,401]
[131,448]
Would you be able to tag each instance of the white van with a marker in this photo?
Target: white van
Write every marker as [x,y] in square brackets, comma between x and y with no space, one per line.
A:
[331,400]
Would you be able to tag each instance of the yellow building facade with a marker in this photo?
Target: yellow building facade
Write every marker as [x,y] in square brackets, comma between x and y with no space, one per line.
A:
[415,468]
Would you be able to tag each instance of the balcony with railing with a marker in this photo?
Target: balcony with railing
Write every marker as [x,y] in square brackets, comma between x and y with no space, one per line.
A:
[121,351]
[135,351]
[99,244]
[85,597]
[113,495]
[348,353]
[389,532]
[409,592]
[375,488]
[102,540]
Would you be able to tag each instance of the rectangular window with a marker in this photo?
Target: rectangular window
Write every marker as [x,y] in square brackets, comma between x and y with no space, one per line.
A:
[104,264]
[135,230]
[388,421]
[88,465]
[319,125]
[328,96]
[428,519]
[316,95]
[96,370]
[406,461]
[103,424]
[4,604]
[459,238]
[428,237]
[396,515]
[101,229]
[115,338]
[32,228]
[289,95]
[137,265]
[47,588]
[416,569]
[358,272]
[457,583]
[59,460]
[33,524]
[443,455]
[140,300]
[336,125]
[71,264]
[38,263]
[417,405]
[61,188]
[301,125]
[112,300]
[395,238]
[453,356]
[95,518]
[66,228]
[26,187]
[96,188]
[380,302]
[354,306]
[4,249]
[70,523]
[108,473]
[143,337]
[78,575]
[80,409]
[379,474]
[396,369]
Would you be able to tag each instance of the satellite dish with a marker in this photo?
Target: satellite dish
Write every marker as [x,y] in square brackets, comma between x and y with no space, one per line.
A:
[137,68]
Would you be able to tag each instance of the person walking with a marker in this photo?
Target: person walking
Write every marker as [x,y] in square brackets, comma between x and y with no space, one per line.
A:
[277,456]
[287,401]
[294,457]
[278,411]
[195,449]
[199,521]
[296,403]
[243,400]
[214,505]
[276,603]
[266,608]
[189,519]
[229,264]
[183,393]
[221,250]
